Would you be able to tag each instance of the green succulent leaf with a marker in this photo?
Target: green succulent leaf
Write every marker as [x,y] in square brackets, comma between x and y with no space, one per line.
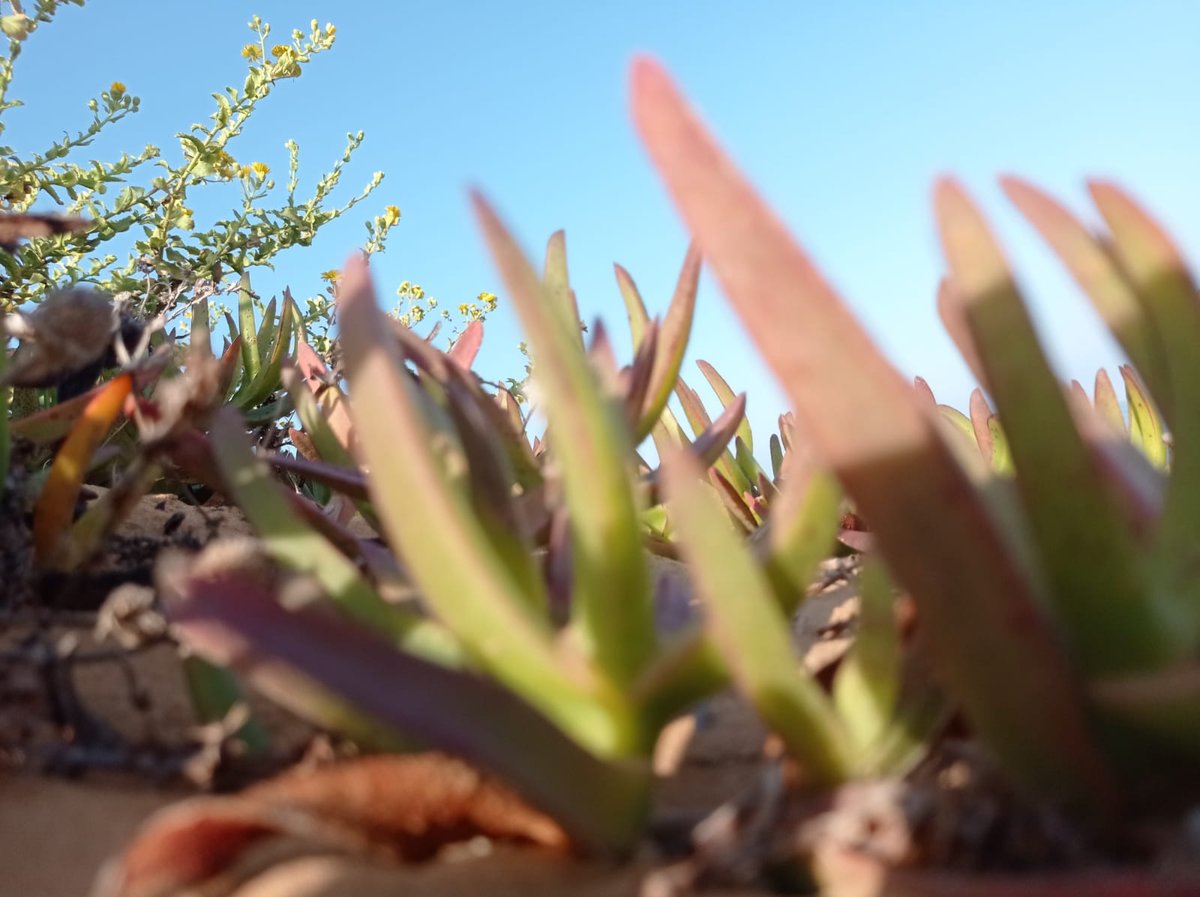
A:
[751,632]
[1167,293]
[1101,277]
[612,606]
[344,678]
[444,546]
[1109,622]
[866,687]
[936,533]
[1145,427]
[295,545]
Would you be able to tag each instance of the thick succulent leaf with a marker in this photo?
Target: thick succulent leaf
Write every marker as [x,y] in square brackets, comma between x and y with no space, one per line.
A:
[634,380]
[1002,460]
[742,514]
[491,482]
[864,421]
[342,677]
[466,347]
[1103,602]
[214,691]
[56,503]
[776,457]
[699,421]
[725,395]
[263,415]
[1104,397]
[981,415]
[709,446]
[267,379]
[748,465]
[1167,292]
[612,603]
[960,432]
[950,310]
[316,425]
[665,428]
[1164,704]
[55,422]
[442,370]
[251,354]
[431,525]
[800,534]
[672,343]
[1100,276]
[352,483]
[298,547]
[922,388]
[332,401]
[1145,426]
[635,307]
[866,686]
[558,282]
[751,632]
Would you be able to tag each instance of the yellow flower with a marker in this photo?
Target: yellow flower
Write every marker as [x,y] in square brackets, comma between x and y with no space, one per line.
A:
[116,88]
[331,276]
[260,169]
[464,308]
[252,52]
[391,214]
[280,50]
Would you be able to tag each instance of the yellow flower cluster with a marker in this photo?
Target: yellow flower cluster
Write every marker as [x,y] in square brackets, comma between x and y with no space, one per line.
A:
[255,170]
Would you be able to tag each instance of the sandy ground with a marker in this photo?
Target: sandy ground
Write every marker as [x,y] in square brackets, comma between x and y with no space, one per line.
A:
[55,833]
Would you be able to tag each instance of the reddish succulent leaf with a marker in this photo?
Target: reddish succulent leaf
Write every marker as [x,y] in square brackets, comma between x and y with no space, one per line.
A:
[699,421]
[407,808]
[981,415]
[51,425]
[1157,270]
[451,558]
[558,281]
[742,516]
[725,396]
[331,400]
[1095,270]
[349,482]
[343,676]
[712,442]
[1107,403]
[466,347]
[612,602]
[1103,604]
[949,308]
[921,385]
[635,379]
[673,340]
[865,421]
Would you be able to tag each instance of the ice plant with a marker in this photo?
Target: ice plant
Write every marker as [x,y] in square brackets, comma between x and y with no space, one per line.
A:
[1083,611]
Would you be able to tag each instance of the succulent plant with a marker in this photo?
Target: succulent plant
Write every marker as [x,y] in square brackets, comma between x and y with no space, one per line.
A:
[1069,578]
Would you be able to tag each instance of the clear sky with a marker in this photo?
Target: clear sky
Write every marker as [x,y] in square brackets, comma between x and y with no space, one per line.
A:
[842,113]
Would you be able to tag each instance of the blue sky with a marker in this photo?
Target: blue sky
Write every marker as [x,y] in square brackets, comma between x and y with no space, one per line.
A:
[841,113]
